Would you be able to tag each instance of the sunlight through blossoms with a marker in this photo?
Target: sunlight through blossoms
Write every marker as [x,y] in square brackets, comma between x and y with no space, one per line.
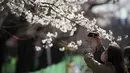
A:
[59,14]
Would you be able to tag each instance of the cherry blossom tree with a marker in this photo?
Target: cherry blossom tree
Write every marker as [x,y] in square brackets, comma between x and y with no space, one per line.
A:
[61,15]
[60,21]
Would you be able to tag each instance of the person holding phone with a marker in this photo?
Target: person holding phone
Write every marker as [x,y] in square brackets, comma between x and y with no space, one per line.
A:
[110,60]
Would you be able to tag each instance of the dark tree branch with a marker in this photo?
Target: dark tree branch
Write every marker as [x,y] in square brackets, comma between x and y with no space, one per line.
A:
[3,13]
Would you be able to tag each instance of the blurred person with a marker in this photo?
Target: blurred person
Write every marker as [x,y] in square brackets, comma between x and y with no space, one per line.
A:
[111,58]
[127,57]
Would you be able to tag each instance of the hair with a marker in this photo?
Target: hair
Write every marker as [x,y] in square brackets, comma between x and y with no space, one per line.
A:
[127,54]
[116,57]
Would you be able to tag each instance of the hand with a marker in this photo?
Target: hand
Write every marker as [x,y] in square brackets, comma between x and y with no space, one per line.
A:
[96,37]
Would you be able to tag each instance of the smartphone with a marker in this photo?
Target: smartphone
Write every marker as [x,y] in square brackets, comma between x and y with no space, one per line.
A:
[92,34]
